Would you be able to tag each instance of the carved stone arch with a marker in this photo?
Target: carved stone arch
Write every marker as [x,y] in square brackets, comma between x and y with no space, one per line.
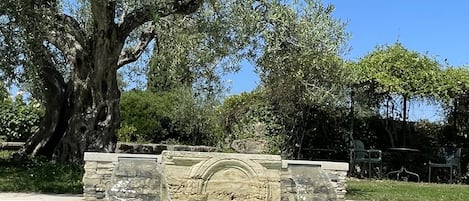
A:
[229,178]
[246,166]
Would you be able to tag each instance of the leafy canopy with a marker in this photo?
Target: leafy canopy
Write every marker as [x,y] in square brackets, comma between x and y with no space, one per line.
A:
[399,71]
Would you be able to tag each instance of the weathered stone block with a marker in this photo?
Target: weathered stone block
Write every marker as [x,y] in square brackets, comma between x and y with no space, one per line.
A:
[250,146]
[89,191]
[104,171]
[105,165]
[221,176]
[91,165]
[91,181]
[204,176]
[181,148]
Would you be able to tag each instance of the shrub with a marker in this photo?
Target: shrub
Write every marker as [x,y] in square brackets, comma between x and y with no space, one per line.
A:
[250,115]
[175,116]
[19,119]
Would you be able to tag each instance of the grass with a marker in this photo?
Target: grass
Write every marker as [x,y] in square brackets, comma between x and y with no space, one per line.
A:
[41,176]
[388,190]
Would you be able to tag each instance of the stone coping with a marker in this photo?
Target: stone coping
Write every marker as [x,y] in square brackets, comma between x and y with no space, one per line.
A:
[11,145]
[325,165]
[114,157]
[221,154]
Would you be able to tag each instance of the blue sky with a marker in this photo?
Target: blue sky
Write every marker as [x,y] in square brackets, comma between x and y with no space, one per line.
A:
[439,28]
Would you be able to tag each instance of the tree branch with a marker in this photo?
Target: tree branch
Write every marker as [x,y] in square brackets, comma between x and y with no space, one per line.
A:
[131,55]
[71,26]
[67,35]
[144,14]
[133,20]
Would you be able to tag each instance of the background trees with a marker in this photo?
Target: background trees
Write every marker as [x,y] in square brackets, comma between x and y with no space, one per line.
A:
[396,74]
[295,46]
[184,77]
[302,73]
[303,101]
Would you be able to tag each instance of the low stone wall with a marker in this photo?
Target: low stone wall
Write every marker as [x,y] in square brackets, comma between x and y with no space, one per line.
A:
[136,148]
[99,168]
[336,174]
[181,175]
[13,146]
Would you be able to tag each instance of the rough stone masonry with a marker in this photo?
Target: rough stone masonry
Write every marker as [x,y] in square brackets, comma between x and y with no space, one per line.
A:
[207,176]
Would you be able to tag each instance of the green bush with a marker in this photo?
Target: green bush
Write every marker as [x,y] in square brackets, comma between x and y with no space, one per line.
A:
[144,115]
[249,115]
[19,119]
[175,116]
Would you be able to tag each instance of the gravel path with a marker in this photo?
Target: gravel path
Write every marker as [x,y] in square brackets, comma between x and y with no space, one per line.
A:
[39,197]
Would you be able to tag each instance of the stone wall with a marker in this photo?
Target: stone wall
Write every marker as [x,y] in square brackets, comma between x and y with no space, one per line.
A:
[136,148]
[181,175]
[99,168]
[335,172]
[221,176]
[13,146]
[136,179]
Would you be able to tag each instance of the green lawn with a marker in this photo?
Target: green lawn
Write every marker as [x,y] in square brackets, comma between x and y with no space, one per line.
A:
[34,175]
[388,190]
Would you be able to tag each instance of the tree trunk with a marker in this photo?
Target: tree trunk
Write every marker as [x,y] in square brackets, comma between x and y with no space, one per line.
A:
[404,120]
[83,115]
[82,118]
[93,99]
[93,117]
[54,99]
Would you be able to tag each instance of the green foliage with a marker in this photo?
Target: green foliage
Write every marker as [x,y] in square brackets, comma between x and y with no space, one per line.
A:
[249,115]
[4,96]
[456,86]
[194,51]
[166,116]
[40,176]
[391,74]
[19,119]
[143,114]
[398,71]
[301,71]
[455,82]
[194,118]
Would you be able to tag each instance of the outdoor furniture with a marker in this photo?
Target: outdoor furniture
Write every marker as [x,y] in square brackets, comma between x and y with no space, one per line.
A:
[403,152]
[453,161]
[367,156]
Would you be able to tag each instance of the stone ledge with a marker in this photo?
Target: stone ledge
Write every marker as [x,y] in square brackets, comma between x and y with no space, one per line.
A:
[325,165]
[114,157]
[222,155]
[11,145]
[137,148]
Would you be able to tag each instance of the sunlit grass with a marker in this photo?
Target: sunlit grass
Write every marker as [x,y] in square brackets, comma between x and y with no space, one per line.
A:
[36,175]
[388,190]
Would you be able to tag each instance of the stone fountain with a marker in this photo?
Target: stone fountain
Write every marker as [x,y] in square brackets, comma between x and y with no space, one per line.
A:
[210,176]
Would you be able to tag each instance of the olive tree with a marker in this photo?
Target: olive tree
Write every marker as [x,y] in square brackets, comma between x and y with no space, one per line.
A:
[302,72]
[70,57]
